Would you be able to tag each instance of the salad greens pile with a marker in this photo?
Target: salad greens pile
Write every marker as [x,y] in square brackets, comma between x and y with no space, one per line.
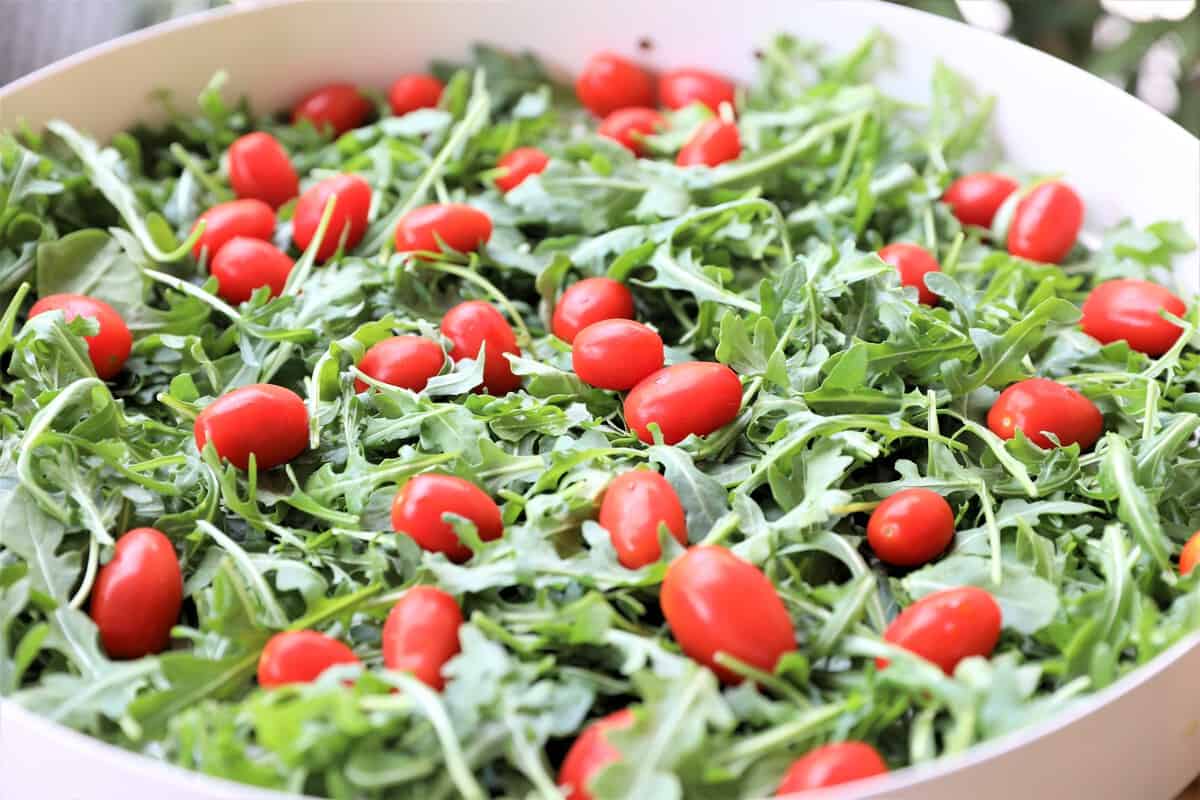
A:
[852,390]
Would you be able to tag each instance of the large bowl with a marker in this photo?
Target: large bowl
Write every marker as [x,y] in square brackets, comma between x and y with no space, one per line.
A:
[1139,738]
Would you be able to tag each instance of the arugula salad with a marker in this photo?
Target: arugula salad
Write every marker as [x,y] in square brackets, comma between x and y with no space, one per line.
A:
[651,436]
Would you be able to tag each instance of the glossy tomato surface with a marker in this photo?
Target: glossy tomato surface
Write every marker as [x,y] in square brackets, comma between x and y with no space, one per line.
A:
[404,361]
[469,326]
[590,752]
[714,143]
[616,354]
[137,595]
[518,165]
[630,125]
[410,92]
[913,526]
[976,198]
[253,219]
[1038,406]
[1190,555]
[682,87]
[266,421]
[460,227]
[349,218]
[694,397]
[337,106]
[259,169]
[1129,309]
[589,301]
[947,626]
[421,634]
[609,81]
[634,505]
[419,507]
[913,263]
[109,349]
[1046,223]
[300,657]
[245,264]
[832,765]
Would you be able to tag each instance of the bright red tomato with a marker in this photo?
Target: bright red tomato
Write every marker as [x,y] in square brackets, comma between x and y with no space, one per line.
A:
[459,226]
[630,125]
[259,169]
[109,348]
[421,634]
[339,106]
[694,397]
[1128,309]
[245,264]
[715,143]
[266,421]
[349,218]
[590,752]
[469,326]
[715,602]
[300,657]
[976,198]
[682,87]
[1038,406]
[137,595]
[420,505]
[947,626]
[913,526]
[832,765]
[519,164]
[587,302]
[616,354]
[913,263]
[410,92]
[634,505]
[1046,223]
[1189,557]
[609,82]
[404,361]
[250,218]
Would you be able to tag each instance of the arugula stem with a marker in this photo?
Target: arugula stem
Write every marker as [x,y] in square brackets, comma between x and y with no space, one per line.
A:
[89,574]
[749,171]
[29,442]
[524,337]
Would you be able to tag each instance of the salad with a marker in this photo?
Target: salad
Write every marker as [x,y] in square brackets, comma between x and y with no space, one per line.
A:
[654,436]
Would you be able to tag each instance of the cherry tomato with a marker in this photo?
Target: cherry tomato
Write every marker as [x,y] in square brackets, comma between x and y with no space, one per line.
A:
[244,264]
[947,626]
[405,361]
[715,602]
[609,82]
[1038,406]
[109,348]
[630,125]
[300,657]
[421,634]
[349,216]
[634,505]
[913,263]
[694,397]
[1045,223]
[1189,557]
[590,752]
[519,164]
[459,226]
[339,106]
[259,169]
[420,505]
[911,527]
[587,302]
[1128,309]
[137,595]
[682,87]
[410,92]
[832,765]
[715,143]
[469,326]
[976,198]
[266,421]
[250,218]
[616,354]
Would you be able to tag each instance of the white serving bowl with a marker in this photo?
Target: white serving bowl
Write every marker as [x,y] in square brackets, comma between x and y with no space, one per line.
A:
[1139,738]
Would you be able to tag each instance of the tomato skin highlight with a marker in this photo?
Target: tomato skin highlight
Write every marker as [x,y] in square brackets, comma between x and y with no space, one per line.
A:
[913,263]
[634,505]
[1039,404]
[259,169]
[137,595]
[109,349]
[245,264]
[974,199]
[349,216]
[590,752]
[694,397]
[339,106]
[629,125]
[410,92]
[715,143]
[471,324]
[947,626]
[913,526]
[404,361]
[419,505]
[832,765]
[1128,309]
[682,87]
[267,421]
[421,634]
[519,165]
[587,302]
[225,221]
[715,602]
[1046,223]
[616,354]
[1189,557]
[461,227]
[609,81]
[300,657]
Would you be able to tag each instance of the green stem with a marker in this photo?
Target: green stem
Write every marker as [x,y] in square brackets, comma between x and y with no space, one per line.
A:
[747,171]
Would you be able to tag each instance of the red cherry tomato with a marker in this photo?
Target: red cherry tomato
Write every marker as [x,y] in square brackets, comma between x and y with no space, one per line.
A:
[339,106]
[349,216]
[137,595]
[1128,309]
[300,657]
[1038,406]
[253,219]
[266,421]
[715,143]
[634,505]
[716,603]
[682,87]
[468,326]
[109,348]
[459,226]
[947,626]
[695,397]
[404,361]
[1189,557]
[616,354]
[259,169]
[832,765]
[421,634]
[1046,223]
[590,752]
[913,263]
[245,264]
[420,505]
[911,527]
[410,92]
[587,302]
[519,164]
[609,82]
[976,198]
[630,125]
